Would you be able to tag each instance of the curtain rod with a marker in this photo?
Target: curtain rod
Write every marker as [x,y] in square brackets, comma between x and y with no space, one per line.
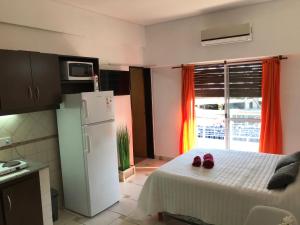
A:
[280,57]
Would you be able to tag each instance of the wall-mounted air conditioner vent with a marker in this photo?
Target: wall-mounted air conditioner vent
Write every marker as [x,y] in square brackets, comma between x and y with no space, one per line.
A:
[225,35]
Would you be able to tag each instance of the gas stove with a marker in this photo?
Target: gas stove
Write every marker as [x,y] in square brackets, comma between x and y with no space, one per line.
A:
[12,166]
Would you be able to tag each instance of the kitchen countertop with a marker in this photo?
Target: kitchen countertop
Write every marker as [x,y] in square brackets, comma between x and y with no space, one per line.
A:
[32,167]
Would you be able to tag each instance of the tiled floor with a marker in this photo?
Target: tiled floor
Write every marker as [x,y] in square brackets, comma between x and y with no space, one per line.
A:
[125,212]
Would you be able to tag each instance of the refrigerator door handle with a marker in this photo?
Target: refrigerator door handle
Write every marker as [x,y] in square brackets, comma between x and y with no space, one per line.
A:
[85,108]
[88,144]
[84,140]
[85,143]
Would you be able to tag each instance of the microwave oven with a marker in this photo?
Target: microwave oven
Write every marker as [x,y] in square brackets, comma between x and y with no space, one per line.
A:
[72,70]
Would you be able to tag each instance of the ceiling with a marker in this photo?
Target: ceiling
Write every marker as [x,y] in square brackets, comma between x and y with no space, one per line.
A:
[147,12]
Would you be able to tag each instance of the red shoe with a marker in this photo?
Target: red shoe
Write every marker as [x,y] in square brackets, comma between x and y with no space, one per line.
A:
[208,156]
[197,161]
[208,163]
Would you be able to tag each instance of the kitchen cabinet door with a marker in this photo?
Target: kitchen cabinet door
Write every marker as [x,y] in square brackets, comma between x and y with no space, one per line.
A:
[2,222]
[15,81]
[22,202]
[46,79]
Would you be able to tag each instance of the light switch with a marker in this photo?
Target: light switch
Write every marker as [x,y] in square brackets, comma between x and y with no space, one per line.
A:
[5,141]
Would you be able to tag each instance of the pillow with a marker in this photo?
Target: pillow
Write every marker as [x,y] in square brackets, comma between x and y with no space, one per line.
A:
[288,159]
[284,176]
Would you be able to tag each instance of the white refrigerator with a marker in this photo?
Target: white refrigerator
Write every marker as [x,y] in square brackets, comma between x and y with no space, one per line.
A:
[88,152]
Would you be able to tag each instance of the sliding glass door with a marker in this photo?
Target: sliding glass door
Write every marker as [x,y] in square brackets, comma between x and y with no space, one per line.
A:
[210,122]
[244,106]
[228,106]
[210,107]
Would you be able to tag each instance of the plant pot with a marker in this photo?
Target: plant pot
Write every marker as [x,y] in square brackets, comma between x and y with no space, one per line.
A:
[124,175]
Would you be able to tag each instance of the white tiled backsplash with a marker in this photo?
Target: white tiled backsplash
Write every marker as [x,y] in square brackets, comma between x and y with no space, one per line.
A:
[31,126]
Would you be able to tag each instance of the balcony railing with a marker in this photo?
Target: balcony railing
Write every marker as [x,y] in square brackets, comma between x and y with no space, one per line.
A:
[243,133]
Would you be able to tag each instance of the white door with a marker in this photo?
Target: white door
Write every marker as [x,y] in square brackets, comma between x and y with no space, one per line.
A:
[97,107]
[102,166]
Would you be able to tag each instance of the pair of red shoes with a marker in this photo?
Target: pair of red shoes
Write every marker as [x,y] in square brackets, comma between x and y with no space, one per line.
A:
[208,161]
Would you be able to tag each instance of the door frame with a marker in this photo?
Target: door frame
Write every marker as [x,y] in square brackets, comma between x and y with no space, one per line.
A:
[149,113]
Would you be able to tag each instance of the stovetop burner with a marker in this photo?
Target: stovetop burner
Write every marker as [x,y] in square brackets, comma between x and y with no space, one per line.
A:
[11,163]
[12,166]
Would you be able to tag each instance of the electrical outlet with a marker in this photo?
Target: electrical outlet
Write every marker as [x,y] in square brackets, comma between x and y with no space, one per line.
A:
[5,141]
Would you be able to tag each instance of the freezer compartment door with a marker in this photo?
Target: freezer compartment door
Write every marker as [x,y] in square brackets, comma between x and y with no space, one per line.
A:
[102,166]
[97,107]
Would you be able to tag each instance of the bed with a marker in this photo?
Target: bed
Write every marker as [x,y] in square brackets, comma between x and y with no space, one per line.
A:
[223,195]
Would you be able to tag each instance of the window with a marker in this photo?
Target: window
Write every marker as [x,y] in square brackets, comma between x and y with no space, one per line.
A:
[228,106]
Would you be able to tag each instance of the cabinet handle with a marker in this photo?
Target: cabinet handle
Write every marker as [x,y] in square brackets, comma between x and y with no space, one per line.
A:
[9,202]
[30,92]
[37,93]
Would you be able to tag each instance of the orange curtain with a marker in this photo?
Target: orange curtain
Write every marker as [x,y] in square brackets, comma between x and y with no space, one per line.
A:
[187,137]
[271,129]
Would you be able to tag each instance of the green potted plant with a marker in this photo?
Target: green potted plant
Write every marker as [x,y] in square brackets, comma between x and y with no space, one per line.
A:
[123,148]
[123,143]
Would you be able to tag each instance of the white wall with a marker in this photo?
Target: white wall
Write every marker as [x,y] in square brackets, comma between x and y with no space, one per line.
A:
[166,100]
[78,32]
[275,32]
[166,94]
[72,31]
[123,118]
[48,26]
[290,107]
[275,29]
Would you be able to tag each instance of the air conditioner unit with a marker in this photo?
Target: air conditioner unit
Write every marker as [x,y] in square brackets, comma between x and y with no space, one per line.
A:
[226,35]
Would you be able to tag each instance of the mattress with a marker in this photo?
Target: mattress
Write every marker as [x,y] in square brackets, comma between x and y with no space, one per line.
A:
[223,195]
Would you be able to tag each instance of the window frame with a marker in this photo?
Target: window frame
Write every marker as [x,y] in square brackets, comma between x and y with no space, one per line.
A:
[227,117]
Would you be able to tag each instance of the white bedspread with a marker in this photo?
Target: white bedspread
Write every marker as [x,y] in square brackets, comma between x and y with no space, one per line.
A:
[221,196]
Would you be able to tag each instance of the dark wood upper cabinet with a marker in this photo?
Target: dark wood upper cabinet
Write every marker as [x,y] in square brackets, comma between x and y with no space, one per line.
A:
[115,80]
[15,80]
[22,202]
[46,79]
[29,81]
